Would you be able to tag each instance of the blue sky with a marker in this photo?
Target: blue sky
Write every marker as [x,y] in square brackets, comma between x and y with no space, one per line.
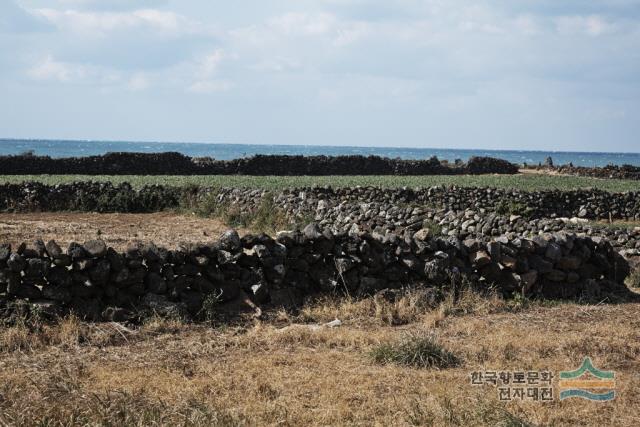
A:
[527,74]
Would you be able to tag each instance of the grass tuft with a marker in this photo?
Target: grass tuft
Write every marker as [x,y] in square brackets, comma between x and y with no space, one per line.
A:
[416,350]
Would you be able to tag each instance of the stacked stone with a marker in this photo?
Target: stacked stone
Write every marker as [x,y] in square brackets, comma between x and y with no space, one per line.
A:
[299,202]
[98,283]
[607,172]
[179,164]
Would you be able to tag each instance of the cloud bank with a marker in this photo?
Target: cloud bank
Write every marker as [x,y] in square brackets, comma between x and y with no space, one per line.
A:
[488,74]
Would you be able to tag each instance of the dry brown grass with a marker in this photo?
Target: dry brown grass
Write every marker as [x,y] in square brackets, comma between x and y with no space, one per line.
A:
[117,230]
[287,372]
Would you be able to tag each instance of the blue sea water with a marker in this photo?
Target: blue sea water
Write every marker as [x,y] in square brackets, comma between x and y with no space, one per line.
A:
[59,148]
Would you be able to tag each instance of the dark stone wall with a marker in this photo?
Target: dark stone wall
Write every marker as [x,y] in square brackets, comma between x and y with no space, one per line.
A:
[605,172]
[106,197]
[588,204]
[179,164]
[98,283]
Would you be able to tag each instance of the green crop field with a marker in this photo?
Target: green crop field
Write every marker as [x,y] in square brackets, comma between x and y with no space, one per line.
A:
[523,182]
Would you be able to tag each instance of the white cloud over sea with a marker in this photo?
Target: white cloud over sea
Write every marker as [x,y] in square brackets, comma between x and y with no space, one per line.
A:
[538,74]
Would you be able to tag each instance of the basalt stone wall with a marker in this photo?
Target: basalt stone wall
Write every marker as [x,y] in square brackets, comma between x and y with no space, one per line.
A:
[99,283]
[373,202]
[610,171]
[179,164]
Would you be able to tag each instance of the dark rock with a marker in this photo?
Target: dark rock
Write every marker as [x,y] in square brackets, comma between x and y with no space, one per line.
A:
[155,283]
[36,267]
[23,290]
[59,276]
[56,293]
[287,298]
[16,262]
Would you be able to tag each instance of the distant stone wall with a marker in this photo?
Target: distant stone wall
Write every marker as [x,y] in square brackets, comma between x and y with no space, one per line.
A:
[301,202]
[605,172]
[369,202]
[98,283]
[179,164]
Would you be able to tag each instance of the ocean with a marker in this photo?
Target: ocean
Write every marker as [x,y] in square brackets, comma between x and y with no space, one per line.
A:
[59,148]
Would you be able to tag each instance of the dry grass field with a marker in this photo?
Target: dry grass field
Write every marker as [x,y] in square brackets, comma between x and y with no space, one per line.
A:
[164,228]
[288,369]
[282,370]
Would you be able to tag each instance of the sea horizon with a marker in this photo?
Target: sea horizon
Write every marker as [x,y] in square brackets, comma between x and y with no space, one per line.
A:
[58,148]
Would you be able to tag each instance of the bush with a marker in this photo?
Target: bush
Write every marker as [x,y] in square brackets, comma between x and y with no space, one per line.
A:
[419,351]
[434,228]
[633,280]
[512,208]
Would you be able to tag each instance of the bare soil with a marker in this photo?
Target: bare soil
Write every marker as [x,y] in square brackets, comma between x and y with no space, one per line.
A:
[117,230]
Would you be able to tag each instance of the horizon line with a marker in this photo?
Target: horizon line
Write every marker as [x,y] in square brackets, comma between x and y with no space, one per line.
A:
[7,139]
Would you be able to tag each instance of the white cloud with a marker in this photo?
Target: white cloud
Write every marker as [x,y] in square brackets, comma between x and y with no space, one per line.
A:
[52,70]
[138,82]
[98,23]
[204,72]
[210,86]
[592,25]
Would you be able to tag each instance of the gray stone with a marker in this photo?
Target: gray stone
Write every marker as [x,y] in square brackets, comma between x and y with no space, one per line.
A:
[230,240]
[95,248]
[422,235]
[312,231]
[528,280]
[5,251]
[53,249]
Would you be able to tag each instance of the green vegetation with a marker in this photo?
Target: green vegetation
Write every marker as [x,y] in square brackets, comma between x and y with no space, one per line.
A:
[523,182]
[267,218]
[513,208]
[434,228]
[419,351]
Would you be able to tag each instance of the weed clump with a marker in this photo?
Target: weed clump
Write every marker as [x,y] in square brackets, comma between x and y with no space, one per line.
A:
[419,351]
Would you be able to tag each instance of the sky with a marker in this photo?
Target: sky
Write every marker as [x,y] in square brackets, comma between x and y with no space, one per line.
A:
[501,74]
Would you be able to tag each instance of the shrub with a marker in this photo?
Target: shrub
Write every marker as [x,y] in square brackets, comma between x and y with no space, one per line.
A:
[434,228]
[634,279]
[512,208]
[419,351]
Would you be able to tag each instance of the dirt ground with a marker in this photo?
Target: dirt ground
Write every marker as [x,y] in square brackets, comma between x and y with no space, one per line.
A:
[282,372]
[164,228]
